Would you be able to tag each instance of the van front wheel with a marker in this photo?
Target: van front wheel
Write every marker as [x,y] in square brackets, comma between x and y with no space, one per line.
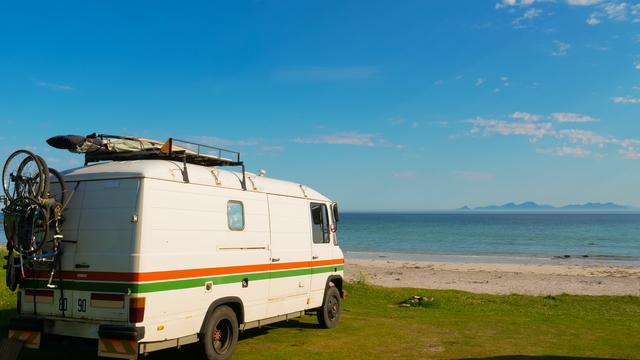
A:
[220,334]
[329,313]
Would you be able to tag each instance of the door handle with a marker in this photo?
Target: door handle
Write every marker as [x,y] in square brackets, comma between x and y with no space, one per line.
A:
[275,259]
[314,257]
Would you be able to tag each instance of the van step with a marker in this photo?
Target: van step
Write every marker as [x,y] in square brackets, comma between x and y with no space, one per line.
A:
[10,349]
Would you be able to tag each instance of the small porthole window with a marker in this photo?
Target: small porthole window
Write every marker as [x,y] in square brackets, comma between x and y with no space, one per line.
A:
[235,215]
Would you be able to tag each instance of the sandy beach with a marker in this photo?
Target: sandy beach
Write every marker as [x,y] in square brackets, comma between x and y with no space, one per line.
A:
[499,278]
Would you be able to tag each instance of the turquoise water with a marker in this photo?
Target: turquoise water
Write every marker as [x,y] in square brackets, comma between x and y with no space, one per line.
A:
[583,235]
[614,236]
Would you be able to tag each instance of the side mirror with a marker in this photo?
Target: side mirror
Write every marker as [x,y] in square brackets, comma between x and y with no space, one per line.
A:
[336,213]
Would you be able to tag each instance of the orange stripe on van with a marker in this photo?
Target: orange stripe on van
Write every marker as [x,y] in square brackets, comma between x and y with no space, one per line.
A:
[180,274]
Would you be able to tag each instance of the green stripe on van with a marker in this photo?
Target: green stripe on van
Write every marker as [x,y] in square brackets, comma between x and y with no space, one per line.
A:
[138,288]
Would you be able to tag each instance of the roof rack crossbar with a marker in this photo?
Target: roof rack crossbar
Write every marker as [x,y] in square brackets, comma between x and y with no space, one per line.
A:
[199,147]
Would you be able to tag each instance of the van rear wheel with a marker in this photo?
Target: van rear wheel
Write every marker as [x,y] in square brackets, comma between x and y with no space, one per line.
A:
[220,334]
[329,313]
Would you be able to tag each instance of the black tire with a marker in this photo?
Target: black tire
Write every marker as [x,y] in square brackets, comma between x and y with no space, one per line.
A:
[55,175]
[29,188]
[26,225]
[46,177]
[329,313]
[220,334]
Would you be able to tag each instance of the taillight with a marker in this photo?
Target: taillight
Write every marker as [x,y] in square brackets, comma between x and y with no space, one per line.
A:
[136,309]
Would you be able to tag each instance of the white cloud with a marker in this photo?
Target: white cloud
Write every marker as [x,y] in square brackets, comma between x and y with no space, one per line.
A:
[565,117]
[637,65]
[616,11]
[526,18]
[573,151]
[474,176]
[619,11]
[525,116]
[327,73]
[344,138]
[593,19]
[561,48]
[490,127]
[626,100]
[438,82]
[586,137]
[505,3]
[583,2]
[480,81]
[629,154]
[508,3]
[53,86]
[613,10]
[572,142]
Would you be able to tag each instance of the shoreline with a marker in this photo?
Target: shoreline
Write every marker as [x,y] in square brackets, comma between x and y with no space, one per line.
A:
[495,274]
[583,260]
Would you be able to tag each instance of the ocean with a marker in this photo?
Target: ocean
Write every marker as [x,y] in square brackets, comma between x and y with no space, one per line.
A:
[496,237]
[586,236]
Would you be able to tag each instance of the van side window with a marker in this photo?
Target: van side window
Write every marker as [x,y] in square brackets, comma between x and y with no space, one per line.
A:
[235,215]
[319,223]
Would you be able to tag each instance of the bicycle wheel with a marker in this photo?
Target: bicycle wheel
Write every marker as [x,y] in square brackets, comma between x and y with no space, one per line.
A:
[29,225]
[23,175]
[46,177]
[56,186]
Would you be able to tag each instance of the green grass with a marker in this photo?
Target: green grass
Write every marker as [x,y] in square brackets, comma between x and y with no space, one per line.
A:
[454,325]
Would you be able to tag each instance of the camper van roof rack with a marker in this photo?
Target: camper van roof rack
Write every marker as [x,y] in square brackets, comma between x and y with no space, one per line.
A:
[172,149]
[184,151]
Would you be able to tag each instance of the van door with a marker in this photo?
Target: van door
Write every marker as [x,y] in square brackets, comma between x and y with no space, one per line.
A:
[289,280]
[103,252]
[322,244]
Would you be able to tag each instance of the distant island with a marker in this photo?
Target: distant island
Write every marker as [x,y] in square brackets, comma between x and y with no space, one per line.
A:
[532,206]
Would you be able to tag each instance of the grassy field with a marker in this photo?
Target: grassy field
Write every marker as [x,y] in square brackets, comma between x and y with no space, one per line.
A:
[454,325]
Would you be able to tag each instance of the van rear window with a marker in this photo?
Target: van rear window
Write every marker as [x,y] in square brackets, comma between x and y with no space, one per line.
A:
[235,215]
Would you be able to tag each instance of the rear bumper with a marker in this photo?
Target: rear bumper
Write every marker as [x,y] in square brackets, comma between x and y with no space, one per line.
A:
[121,332]
[114,340]
[26,323]
[88,329]
[82,328]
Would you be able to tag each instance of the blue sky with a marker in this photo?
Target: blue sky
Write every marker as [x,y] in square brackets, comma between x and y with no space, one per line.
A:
[408,105]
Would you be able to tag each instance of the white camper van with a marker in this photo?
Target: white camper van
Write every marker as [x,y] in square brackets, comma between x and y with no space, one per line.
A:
[162,249]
